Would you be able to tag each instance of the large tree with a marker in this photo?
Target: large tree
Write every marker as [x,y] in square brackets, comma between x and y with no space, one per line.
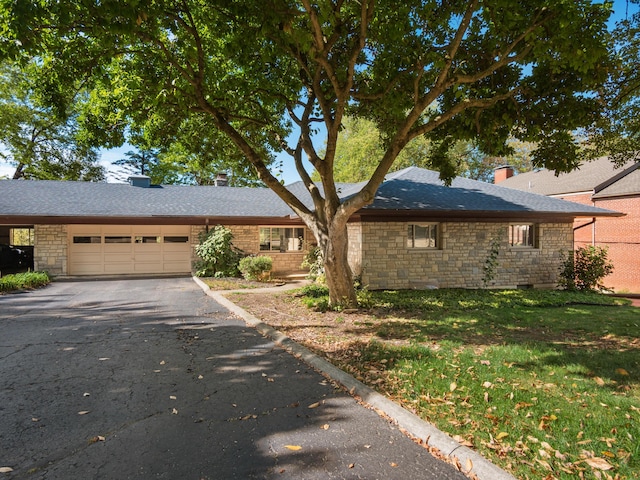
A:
[39,140]
[267,74]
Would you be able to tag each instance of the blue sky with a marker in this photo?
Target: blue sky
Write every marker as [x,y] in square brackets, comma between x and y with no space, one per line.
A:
[289,174]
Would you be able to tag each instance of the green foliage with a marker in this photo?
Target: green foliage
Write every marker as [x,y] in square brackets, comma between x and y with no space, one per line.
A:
[585,269]
[218,256]
[19,281]
[313,261]
[41,142]
[256,267]
[491,263]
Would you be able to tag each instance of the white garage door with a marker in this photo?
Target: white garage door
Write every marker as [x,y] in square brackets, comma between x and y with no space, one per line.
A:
[128,249]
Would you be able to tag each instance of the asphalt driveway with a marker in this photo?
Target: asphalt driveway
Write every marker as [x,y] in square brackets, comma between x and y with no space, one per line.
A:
[153,379]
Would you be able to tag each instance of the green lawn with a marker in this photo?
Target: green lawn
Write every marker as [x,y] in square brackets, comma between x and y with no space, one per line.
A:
[544,383]
[20,281]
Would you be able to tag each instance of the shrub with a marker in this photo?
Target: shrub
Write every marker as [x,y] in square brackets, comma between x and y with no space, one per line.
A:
[585,269]
[313,261]
[19,281]
[256,268]
[218,256]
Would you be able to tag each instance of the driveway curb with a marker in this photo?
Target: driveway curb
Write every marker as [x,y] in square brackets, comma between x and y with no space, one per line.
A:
[482,468]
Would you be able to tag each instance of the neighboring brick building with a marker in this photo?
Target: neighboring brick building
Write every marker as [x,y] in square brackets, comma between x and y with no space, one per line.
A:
[417,233]
[600,184]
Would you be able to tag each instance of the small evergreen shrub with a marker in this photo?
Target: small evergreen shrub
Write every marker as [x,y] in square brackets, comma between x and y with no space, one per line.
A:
[218,257]
[585,269]
[256,268]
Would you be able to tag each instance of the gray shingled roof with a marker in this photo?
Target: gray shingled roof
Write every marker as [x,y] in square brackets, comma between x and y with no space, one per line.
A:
[85,199]
[419,189]
[586,178]
[412,189]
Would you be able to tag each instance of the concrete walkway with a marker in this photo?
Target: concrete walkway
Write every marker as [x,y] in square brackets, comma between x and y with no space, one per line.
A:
[145,379]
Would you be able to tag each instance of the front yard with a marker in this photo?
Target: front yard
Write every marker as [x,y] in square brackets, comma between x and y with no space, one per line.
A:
[545,384]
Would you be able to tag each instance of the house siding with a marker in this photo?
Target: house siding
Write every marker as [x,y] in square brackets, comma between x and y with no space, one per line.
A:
[459,262]
[620,235]
[50,249]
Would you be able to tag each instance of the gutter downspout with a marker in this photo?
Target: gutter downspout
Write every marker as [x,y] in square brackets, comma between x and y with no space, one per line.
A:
[593,231]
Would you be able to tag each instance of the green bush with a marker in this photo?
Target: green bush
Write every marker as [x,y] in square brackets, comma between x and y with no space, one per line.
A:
[256,268]
[585,269]
[313,261]
[218,256]
[19,281]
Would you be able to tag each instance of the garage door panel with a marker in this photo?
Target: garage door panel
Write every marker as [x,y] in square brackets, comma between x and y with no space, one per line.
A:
[144,250]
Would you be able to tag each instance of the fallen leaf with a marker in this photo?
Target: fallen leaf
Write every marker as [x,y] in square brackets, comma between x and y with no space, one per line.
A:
[453,386]
[83,412]
[487,384]
[6,469]
[174,411]
[599,381]
[34,419]
[172,397]
[293,447]
[86,394]
[393,464]
[162,362]
[598,463]
[200,377]
[325,426]
[314,405]
[351,465]
[485,362]
[102,359]
[622,371]
[501,435]
[469,465]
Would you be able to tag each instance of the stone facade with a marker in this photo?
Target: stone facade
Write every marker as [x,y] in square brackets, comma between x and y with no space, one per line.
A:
[459,262]
[50,249]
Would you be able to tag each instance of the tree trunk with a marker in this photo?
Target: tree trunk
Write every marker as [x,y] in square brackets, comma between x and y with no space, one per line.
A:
[334,247]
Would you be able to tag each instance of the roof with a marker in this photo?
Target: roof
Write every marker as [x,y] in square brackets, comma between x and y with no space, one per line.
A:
[410,190]
[415,189]
[597,176]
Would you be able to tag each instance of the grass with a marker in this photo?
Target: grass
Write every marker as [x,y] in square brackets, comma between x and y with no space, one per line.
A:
[545,384]
[21,281]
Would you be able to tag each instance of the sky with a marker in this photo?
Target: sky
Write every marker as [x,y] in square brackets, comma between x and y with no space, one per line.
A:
[289,174]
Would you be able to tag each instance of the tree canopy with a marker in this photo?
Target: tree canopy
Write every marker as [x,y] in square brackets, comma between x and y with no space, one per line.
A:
[39,141]
[267,74]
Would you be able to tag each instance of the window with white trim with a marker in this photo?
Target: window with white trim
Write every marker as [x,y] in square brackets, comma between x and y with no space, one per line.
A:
[423,235]
[281,239]
[522,235]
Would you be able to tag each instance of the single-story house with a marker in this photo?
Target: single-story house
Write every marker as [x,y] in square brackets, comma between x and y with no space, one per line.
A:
[418,233]
[597,183]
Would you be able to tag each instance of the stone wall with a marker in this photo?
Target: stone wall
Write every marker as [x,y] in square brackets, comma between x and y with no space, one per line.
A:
[50,249]
[460,260]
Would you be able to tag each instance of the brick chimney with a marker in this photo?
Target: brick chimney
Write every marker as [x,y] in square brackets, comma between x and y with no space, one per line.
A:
[502,173]
[221,180]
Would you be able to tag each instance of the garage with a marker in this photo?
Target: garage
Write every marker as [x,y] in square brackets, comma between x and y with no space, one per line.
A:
[128,249]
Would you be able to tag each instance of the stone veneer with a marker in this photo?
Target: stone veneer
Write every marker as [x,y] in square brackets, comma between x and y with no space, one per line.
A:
[386,262]
[50,249]
[247,239]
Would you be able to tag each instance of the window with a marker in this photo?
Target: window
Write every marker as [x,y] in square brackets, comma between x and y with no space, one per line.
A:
[147,239]
[117,239]
[87,239]
[179,239]
[281,239]
[522,235]
[22,237]
[422,236]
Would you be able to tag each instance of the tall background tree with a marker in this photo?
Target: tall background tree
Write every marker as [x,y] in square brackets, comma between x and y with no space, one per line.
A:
[268,74]
[38,139]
